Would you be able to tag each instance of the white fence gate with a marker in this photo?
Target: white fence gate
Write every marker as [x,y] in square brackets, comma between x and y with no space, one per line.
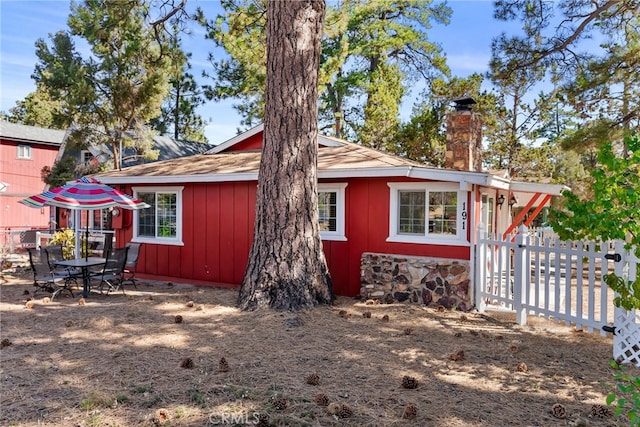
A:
[537,274]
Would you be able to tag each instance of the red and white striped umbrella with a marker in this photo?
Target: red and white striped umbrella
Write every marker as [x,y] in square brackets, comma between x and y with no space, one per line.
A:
[84,194]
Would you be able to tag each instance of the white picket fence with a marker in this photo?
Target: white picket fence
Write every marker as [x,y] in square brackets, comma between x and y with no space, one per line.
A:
[536,274]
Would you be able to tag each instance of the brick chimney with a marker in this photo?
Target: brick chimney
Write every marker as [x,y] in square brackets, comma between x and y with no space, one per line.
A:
[464,137]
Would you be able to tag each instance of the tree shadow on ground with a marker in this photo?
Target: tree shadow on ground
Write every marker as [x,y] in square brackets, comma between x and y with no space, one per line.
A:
[152,357]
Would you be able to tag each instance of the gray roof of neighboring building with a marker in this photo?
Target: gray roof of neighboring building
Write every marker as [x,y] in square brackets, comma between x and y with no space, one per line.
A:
[23,133]
[171,149]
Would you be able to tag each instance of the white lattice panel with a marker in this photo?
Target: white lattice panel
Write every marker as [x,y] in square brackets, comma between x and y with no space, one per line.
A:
[626,341]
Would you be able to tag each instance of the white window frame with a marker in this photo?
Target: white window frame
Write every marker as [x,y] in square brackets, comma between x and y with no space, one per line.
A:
[24,151]
[175,241]
[339,189]
[458,239]
[83,157]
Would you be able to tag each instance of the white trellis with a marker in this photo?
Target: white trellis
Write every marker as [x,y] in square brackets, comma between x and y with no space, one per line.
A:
[626,341]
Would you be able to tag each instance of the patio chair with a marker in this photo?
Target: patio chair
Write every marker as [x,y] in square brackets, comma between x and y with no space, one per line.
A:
[130,266]
[112,274]
[54,253]
[107,246]
[44,279]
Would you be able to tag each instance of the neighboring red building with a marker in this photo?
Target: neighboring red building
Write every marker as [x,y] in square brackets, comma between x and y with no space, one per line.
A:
[24,151]
[393,229]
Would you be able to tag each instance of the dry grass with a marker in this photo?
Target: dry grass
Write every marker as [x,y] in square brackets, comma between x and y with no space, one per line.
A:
[126,361]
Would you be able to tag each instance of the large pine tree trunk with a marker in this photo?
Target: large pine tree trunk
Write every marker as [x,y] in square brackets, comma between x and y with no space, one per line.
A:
[287,269]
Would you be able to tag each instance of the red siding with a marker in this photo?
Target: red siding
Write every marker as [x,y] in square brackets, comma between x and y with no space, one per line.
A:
[218,229]
[24,179]
[252,143]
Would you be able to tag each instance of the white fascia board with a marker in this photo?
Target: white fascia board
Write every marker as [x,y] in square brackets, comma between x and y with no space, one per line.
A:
[498,182]
[177,179]
[236,139]
[464,178]
[327,141]
[534,187]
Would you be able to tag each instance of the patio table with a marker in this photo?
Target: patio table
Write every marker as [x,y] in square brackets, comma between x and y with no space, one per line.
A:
[83,264]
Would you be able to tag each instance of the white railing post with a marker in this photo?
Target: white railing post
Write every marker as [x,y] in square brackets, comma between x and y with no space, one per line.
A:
[520,270]
[627,323]
[481,270]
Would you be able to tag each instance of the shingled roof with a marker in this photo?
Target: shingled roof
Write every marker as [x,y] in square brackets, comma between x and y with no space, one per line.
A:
[30,134]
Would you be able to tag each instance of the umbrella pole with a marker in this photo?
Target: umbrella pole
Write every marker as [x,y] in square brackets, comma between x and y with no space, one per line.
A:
[76,215]
[86,239]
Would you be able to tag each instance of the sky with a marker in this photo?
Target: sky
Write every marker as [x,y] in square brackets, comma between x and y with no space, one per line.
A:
[466,42]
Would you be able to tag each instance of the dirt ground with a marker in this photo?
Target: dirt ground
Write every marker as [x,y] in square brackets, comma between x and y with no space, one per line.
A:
[153,358]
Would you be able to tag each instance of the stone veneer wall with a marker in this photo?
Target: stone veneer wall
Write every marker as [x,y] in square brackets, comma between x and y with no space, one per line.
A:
[423,280]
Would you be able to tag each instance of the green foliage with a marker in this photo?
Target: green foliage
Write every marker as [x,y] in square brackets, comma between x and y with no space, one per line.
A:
[39,109]
[67,239]
[611,213]
[178,113]
[628,291]
[626,396]
[363,42]
[63,171]
[121,86]
[598,82]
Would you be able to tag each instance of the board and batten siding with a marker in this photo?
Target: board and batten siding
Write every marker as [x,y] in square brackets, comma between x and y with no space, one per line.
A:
[218,221]
[24,178]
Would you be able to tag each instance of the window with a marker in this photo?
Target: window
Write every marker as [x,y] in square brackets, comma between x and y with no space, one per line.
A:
[161,223]
[86,157]
[331,211]
[427,213]
[487,215]
[24,151]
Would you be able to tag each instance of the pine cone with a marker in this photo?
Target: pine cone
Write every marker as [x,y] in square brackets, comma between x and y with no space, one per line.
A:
[321,399]
[600,411]
[344,314]
[223,365]
[177,319]
[522,367]
[409,382]
[6,342]
[366,315]
[263,421]
[385,318]
[186,363]
[559,411]
[333,408]
[410,411]
[457,356]
[345,411]
[408,331]
[279,403]
[313,379]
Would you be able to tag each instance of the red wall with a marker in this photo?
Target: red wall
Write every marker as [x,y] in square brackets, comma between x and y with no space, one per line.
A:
[23,177]
[218,229]
[254,142]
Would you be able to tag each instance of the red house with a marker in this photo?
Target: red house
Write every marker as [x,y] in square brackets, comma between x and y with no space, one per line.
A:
[392,229]
[24,151]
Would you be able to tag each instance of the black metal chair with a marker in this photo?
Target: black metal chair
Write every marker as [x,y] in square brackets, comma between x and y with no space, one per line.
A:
[44,278]
[55,253]
[130,266]
[112,274]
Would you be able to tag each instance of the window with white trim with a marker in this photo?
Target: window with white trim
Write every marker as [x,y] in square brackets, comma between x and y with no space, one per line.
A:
[86,157]
[24,151]
[161,223]
[427,213]
[331,211]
